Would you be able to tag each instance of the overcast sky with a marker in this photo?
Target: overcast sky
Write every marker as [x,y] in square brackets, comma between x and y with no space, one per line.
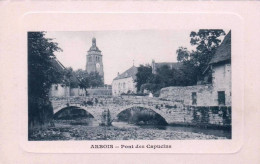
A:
[120,48]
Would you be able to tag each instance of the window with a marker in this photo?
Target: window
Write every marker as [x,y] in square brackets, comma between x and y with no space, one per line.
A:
[56,87]
[194,98]
[221,98]
[90,59]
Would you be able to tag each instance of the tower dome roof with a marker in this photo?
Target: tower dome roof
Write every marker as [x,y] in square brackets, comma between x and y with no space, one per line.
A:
[94,46]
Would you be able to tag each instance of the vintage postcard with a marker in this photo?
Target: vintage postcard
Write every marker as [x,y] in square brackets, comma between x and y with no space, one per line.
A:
[129,82]
[142,88]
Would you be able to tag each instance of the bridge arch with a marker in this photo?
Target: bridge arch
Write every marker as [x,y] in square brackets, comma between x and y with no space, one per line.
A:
[155,110]
[95,115]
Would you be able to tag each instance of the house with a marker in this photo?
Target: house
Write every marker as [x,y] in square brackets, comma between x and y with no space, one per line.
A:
[125,82]
[59,89]
[216,92]
[62,90]
[171,65]
[220,66]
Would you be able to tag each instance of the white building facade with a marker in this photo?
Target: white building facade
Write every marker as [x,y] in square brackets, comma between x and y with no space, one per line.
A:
[59,90]
[125,83]
[221,80]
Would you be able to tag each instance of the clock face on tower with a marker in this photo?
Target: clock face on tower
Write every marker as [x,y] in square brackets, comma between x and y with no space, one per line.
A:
[98,66]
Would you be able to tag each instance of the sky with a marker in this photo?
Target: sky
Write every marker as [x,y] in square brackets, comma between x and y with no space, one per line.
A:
[120,49]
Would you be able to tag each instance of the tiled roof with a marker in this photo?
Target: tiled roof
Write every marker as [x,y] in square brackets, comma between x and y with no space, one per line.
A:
[94,48]
[171,65]
[57,65]
[223,53]
[74,78]
[131,72]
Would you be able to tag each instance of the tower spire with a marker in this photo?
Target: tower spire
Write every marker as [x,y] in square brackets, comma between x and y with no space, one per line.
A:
[93,41]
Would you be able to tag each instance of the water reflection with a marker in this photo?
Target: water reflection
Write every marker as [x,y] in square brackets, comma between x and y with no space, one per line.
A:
[215,132]
[129,127]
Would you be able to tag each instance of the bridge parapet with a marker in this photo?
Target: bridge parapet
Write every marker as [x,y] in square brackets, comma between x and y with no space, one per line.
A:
[171,111]
[166,109]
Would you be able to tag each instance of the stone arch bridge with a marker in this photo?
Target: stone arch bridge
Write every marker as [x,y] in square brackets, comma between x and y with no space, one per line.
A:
[172,112]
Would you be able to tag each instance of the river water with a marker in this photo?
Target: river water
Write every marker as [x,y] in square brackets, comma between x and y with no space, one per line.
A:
[209,131]
[90,130]
[215,132]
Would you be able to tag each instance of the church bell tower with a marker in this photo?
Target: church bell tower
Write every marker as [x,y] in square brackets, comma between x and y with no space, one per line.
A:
[94,60]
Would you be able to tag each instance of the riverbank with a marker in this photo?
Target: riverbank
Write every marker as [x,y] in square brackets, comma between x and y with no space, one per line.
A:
[63,131]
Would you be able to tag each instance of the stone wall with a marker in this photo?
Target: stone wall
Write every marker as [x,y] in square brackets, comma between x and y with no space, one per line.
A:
[77,92]
[214,116]
[184,94]
[99,91]
[203,116]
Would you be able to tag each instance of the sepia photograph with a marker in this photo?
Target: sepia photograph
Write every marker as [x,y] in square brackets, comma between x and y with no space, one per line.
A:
[129,85]
[132,82]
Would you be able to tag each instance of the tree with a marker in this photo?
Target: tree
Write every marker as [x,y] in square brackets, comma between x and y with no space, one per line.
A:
[164,77]
[206,42]
[187,75]
[71,78]
[144,75]
[95,80]
[183,54]
[41,74]
[83,78]
[92,79]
